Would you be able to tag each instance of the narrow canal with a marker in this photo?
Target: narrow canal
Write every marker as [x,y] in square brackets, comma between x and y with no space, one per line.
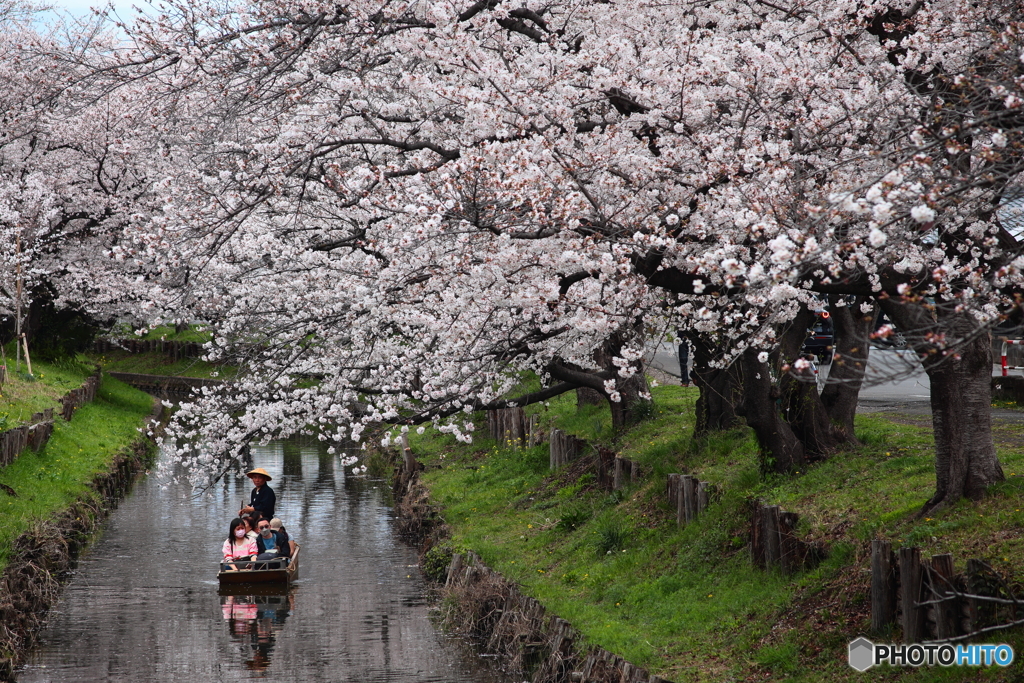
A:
[144,605]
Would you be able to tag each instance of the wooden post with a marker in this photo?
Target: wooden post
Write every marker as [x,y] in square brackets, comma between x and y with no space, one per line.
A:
[680,501]
[702,497]
[672,487]
[28,360]
[947,612]
[883,585]
[757,536]
[790,557]
[410,459]
[618,474]
[772,548]
[910,591]
[980,582]
[689,498]
[454,569]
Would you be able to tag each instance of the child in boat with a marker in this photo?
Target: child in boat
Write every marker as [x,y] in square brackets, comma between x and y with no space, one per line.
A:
[237,546]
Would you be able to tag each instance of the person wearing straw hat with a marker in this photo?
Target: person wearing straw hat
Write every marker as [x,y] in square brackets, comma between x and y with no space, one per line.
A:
[262,497]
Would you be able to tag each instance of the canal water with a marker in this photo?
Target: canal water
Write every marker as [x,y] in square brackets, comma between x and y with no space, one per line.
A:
[144,605]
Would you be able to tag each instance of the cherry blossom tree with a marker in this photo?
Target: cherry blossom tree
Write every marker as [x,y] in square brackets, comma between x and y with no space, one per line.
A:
[399,209]
[66,184]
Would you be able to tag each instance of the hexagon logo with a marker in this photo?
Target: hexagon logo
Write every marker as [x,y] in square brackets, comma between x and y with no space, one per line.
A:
[862,654]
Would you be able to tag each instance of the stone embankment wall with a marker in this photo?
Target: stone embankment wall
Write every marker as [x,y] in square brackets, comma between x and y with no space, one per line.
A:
[41,559]
[515,627]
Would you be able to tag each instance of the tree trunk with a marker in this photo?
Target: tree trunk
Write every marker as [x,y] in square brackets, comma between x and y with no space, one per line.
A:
[634,394]
[961,396]
[801,403]
[846,376]
[720,391]
[585,396]
[961,399]
[781,450]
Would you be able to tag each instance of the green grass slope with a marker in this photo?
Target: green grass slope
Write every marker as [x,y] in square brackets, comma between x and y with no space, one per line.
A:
[686,602]
[59,474]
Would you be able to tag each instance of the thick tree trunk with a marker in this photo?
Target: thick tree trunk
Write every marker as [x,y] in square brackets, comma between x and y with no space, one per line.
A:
[961,395]
[802,405]
[781,450]
[852,329]
[720,391]
[961,399]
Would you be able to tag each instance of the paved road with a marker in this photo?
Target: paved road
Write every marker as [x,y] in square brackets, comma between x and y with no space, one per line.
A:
[895,379]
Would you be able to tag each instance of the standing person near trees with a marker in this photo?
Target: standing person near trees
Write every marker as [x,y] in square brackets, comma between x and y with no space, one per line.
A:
[262,498]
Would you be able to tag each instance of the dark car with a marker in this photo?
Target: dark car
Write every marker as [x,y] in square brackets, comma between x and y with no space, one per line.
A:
[821,338]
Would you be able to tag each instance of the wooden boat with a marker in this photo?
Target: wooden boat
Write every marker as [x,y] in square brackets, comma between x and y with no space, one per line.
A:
[265,571]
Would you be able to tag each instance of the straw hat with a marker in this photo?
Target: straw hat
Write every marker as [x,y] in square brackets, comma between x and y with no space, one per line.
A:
[259,470]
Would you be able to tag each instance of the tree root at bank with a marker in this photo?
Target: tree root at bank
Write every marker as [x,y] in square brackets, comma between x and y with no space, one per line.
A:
[43,558]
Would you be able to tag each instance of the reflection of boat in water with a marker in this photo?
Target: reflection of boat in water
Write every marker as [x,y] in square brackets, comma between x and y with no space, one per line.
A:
[278,571]
[255,615]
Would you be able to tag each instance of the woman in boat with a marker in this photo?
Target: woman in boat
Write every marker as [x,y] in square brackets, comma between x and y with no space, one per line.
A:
[238,546]
[251,522]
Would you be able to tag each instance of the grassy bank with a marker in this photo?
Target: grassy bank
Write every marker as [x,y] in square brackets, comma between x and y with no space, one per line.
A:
[59,474]
[686,602]
[22,394]
[160,364]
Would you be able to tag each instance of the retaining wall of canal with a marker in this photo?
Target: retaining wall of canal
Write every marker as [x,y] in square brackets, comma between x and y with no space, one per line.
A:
[42,559]
[483,604]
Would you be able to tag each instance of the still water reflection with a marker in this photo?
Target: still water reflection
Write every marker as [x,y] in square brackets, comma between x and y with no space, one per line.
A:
[145,604]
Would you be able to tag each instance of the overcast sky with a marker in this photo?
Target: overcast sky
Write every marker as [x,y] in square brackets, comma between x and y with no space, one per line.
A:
[81,7]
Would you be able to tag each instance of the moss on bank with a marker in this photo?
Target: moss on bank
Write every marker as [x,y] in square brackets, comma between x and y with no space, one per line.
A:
[685,602]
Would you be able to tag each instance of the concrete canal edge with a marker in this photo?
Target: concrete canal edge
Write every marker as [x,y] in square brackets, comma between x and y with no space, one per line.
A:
[480,602]
[42,558]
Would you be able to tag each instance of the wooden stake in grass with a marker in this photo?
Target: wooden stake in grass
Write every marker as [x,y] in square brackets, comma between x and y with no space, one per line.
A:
[28,361]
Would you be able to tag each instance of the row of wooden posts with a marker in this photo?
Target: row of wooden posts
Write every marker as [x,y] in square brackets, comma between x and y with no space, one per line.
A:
[174,349]
[37,432]
[511,426]
[688,496]
[932,601]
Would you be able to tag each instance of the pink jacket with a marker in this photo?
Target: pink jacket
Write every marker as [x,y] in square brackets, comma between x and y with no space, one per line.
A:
[234,552]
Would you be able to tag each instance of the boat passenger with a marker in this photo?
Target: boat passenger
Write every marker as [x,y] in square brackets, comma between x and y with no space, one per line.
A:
[237,546]
[262,497]
[266,541]
[284,547]
[250,527]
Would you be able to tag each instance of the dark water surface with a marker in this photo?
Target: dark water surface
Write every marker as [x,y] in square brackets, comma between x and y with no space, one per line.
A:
[144,605]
